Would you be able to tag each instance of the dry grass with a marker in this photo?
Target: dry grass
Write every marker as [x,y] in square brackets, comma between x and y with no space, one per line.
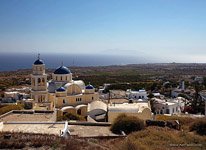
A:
[44,141]
[185,122]
[151,138]
[163,138]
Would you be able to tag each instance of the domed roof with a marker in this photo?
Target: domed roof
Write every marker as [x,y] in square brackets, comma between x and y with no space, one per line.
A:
[62,70]
[61,89]
[88,87]
[38,62]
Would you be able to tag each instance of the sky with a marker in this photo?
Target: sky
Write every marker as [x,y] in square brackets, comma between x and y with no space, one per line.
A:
[163,30]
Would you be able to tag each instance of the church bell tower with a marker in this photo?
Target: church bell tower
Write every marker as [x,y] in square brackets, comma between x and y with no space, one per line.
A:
[39,82]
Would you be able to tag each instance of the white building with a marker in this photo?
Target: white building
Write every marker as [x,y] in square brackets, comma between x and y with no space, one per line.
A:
[13,95]
[115,94]
[141,110]
[141,94]
[97,110]
[169,106]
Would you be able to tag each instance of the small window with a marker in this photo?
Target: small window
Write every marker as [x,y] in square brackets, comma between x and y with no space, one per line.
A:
[61,78]
[64,101]
[33,80]
[79,112]
[92,98]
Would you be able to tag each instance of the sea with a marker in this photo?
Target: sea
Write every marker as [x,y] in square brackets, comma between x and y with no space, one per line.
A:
[16,61]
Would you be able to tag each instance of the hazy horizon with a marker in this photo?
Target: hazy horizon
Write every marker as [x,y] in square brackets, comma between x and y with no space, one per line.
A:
[153,30]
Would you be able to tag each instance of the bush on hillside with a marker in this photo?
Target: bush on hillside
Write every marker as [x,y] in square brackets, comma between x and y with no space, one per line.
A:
[199,126]
[70,116]
[127,124]
[8,108]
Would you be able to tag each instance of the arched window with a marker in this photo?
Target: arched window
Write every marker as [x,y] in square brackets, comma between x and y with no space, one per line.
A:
[79,112]
[33,81]
[39,80]
[92,98]
[61,78]
[64,101]
[39,99]
[43,80]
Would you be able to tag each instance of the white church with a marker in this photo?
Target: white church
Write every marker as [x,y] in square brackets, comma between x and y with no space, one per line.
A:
[61,91]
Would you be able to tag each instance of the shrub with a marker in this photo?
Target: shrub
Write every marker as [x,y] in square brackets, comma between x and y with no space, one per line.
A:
[70,116]
[8,108]
[199,126]
[127,124]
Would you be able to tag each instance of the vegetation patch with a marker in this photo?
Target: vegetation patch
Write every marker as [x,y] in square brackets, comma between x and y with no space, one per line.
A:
[127,124]
[199,126]
[153,138]
[46,141]
[8,108]
[185,122]
[70,116]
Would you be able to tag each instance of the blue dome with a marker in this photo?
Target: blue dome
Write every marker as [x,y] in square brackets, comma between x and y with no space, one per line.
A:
[88,87]
[62,70]
[38,62]
[61,89]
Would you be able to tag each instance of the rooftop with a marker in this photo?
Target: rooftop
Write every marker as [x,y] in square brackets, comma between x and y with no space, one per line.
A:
[128,107]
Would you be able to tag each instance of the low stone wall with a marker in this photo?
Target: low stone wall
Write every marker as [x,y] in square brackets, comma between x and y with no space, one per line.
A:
[6,114]
[69,123]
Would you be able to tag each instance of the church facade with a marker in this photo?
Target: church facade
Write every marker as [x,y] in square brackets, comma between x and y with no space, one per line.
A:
[61,91]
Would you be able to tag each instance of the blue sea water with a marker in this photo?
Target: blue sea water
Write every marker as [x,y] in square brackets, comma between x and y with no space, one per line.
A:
[15,61]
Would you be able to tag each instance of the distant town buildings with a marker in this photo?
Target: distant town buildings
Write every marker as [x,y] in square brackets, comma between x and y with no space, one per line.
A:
[141,94]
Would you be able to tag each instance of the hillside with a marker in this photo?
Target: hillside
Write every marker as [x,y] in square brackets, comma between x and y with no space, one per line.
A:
[114,74]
